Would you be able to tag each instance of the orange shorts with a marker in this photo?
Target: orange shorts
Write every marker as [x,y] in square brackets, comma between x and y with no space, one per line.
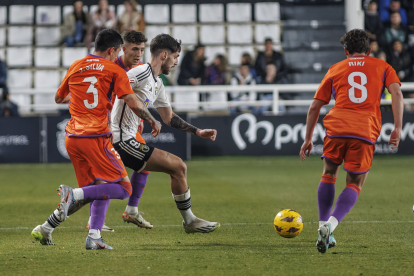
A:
[94,158]
[356,153]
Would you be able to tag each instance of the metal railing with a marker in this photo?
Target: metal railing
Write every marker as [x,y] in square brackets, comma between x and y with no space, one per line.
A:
[175,90]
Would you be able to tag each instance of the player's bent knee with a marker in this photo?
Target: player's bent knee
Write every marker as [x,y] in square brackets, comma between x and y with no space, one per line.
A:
[180,168]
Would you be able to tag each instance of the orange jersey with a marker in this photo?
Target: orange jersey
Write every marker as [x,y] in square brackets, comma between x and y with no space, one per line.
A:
[357,85]
[90,82]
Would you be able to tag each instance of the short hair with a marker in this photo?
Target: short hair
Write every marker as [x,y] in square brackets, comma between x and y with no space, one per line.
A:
[356,41]
[164,42]
[107,38]
[268,39]
[135,37]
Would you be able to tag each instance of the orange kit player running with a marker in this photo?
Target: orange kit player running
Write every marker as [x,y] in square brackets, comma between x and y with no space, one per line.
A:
[134,46]
[100,173]
[352,127]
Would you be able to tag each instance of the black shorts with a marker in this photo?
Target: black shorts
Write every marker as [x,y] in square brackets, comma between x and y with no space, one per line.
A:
[134,154]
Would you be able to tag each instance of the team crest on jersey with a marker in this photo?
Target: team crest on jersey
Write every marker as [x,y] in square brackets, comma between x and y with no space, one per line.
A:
[144,148]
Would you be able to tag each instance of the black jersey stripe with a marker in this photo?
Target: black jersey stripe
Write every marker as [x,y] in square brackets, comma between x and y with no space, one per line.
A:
[120,121]
[147,70]
[144,77]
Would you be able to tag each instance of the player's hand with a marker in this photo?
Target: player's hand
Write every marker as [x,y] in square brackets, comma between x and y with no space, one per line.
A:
[395,138]
[156,128]
[306,149]
[207,134]
[141,127]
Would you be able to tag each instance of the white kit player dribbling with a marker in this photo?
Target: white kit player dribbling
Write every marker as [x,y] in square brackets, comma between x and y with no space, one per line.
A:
[148,87]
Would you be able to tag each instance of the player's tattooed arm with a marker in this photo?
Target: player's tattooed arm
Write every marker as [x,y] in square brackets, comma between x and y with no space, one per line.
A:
[179,123]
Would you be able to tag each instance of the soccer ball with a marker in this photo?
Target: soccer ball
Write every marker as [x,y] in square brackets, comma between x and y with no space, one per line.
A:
[288,223]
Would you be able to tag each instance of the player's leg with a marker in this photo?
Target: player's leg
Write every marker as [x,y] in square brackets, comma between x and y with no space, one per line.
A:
[162,161]
[104,227]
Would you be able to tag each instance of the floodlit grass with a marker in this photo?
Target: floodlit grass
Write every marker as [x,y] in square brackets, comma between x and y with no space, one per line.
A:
[243,194]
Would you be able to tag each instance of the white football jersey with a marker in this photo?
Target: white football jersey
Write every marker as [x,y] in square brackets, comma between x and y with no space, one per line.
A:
[149,89]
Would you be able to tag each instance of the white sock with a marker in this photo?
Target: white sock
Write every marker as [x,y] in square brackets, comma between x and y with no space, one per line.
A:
[184,206]
[89,221]
[94,233]
[334,223]
[321,222]
[131,210]
[78,194]
[52,222]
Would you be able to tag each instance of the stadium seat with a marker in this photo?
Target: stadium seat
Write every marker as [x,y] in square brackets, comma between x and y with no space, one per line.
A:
[19,56]
[267,12]
[239,12]
[21,14]
[220,97]
[154,14]
[48,15]
[47,36]
[187,34]
[94,8]
[62,75]
[20,35]
[2,37]
[120,9]
[212,51]
[2,54]
[296,59]
[152,31]
[236,52]
[45,79]
[212,34]
[47,57]
[211,13]
[69,55]
[69,8]
[239,34]
[184,13]
[19,79]
[262,31]
[3,15]
[186,101]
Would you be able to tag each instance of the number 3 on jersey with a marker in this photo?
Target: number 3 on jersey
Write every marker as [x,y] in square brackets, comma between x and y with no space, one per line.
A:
[92,90]
[353,84]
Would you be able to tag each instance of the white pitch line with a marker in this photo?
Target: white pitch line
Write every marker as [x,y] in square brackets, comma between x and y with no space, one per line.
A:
[224,224]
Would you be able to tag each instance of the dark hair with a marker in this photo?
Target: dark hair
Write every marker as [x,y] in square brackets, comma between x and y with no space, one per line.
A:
[134,37]
[82,16]
[222,66]
[164,42]
[248,57]
[268,39]
[356,41]
[106,39]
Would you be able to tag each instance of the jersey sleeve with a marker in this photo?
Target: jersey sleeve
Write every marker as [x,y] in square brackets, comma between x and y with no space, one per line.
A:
[324,91]
[63,89]
[121,83]
[161,100]
[390,76]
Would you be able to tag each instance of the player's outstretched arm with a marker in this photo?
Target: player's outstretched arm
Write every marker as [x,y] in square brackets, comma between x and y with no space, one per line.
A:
[311,120]
[61,100]
[141,111]
[397,110]
[173,120]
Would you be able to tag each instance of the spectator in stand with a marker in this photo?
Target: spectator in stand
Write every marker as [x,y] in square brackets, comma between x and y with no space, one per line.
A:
[103,18]
[373,23]
[3,78]
[395,31]
[376,51]
[192,67]
[410,15]
[131,19]
[270,56]
[388,7]
[75,25]
[216,73]
[243,76]
[400,60]
[247,59]
[8,108]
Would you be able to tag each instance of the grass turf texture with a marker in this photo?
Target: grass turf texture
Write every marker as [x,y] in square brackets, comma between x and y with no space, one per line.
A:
[244,194]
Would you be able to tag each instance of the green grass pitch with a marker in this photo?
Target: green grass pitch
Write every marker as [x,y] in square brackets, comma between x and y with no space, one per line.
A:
[243,194]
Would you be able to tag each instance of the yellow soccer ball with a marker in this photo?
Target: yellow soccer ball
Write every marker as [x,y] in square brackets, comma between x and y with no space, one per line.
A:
[288,223]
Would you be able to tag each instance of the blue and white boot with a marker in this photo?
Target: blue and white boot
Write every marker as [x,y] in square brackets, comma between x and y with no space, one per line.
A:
[324,231]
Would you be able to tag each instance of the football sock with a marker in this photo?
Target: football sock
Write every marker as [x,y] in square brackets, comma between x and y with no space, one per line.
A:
[326,196]
[346,201]
[321,222]
[104,191]
[98,213]
[94,233]
[78,194]
[334,223]
[138,183]
[184,206]
[52,222]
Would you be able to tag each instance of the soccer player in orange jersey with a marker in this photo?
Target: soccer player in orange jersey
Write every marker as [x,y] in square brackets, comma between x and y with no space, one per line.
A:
[100,173]
[352,127]
[134,46]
